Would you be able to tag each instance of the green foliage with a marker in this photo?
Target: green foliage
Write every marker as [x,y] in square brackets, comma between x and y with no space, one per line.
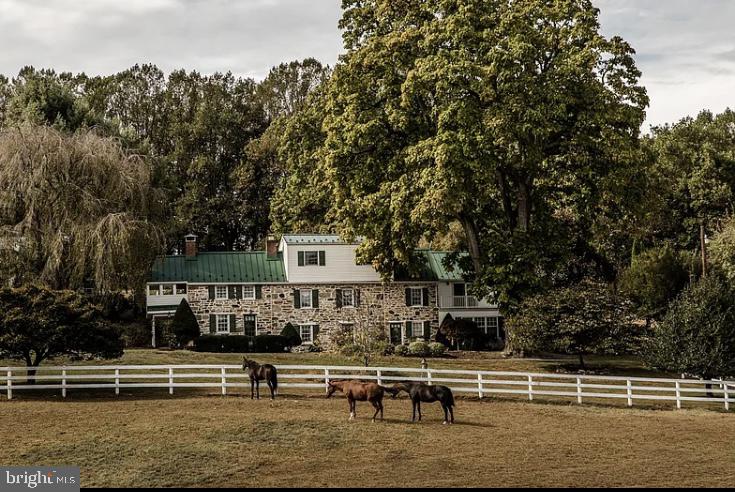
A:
[722,250]
[38,324]
[274,344]
[89,213]
[697,335]
[515,132]
[654,279]
[291,335]
[588,318]
[362,343]
[419,349]
[184,325]
[224,344]
[437,349]
[401,350]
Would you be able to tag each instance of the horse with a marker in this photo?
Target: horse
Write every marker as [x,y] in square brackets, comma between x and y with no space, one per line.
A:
[259,373]
[359,391]
[419,392]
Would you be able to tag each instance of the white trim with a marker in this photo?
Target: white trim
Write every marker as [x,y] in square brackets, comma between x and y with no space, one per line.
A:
[216,324]
[311,332]
[217,296]
[250,298]
[310,297]
[421,290]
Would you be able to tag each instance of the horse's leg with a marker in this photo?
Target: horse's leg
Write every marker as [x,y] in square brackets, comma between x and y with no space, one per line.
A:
[413,419]
[380,402]
[270,386]
[376,405]
[446,414]
[252,388]
[451,412]
[418,406]
[257,388]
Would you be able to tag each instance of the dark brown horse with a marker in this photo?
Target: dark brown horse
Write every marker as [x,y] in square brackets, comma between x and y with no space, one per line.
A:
[259,373]
[359,391]
[419,392]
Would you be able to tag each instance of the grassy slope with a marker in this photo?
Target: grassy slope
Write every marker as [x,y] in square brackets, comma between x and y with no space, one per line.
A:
[215,441]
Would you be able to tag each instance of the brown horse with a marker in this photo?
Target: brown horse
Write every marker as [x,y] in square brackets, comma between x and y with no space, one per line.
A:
[259,373]
[359,391]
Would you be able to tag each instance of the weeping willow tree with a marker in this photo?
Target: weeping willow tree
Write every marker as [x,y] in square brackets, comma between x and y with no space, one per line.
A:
[75,211]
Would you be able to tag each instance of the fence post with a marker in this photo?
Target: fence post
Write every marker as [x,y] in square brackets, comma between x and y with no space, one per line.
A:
[429,379]
[326,380]
[117,382]
[10,385]
[63,383]
[678,395]
[170,380]
[530,388]
[630,393]
[579,391]
[224,381]
[479,385]
[379,375]
[727,396]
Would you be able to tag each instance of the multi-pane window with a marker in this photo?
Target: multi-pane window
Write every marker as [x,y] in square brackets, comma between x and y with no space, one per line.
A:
[180,289]
[223,323]
[167,290]
[417,330]
[311,258]
[306,298]
[417,297]
[154,290]
[220,292]
[348,298]
[248,292]
[493,327]
[307,333]
[396,332]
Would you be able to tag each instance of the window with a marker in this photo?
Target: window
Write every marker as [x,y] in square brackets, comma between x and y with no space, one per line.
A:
[311,258]
[417,329]
[493,328]
[348,298]
[396,332]
[250,325]
[168,290]
[416,297]
[306,298]
[220,292]
[154,290]
[307,333]
[460,290]
[248,292]
[223,323]
[180,289]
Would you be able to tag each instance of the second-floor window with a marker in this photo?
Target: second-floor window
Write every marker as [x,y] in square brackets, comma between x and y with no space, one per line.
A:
[312,258]
[248,292]
[306,299]
[417,296]
[220,292]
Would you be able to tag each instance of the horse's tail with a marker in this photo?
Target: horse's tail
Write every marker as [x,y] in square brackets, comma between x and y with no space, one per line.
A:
[450,399]
[274,381]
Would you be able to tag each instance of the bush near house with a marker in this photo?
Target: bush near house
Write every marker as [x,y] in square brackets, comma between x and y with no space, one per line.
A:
[184,326]
[462,334]
[227,344]
[292,336]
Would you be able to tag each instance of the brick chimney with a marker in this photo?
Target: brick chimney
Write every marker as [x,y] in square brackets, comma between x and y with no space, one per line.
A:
[190,247]
[271,246]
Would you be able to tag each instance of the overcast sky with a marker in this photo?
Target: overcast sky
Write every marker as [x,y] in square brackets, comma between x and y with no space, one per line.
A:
[686,48]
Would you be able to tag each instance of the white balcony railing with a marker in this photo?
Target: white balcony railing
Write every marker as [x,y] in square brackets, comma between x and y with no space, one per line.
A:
[458,302]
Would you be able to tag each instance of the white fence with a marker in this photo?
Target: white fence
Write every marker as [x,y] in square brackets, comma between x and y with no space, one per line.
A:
[479,383]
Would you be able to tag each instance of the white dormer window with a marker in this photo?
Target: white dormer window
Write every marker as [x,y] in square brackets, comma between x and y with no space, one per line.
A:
[220,292]
[311,258]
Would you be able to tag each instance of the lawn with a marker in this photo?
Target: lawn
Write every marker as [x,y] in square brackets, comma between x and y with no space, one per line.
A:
[489,361]
[297,441]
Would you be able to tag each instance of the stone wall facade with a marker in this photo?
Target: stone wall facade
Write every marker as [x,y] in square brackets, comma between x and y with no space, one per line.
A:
[379,303]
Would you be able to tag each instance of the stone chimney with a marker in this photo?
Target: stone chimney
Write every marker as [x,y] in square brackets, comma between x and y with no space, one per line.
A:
[190,247]
[271,246]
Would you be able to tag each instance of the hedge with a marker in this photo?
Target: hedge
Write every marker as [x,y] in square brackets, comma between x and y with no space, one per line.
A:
[227,344]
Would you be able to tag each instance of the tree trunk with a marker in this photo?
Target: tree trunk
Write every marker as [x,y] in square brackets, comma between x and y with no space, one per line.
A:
[507,202]
[524,205]
[581,362]
[473,240]
[708,387]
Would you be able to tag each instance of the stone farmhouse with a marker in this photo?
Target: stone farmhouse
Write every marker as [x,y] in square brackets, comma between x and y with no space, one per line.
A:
[313,282]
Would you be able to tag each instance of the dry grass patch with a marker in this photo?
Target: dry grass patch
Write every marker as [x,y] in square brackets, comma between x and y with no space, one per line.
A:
[233,441]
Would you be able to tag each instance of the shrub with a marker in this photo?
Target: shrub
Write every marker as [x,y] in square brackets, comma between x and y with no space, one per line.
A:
[184,326]
[419,349]
[401,350]
[224,344]
[272,344]
[135,335]
[697,335]
[437,349]
[461,333]
[293,339]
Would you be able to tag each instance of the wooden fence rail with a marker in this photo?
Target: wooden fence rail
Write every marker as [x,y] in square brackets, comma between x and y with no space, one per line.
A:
[480,383]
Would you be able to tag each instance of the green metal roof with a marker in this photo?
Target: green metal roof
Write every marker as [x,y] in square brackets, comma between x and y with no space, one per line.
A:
[432,269]
[230,267]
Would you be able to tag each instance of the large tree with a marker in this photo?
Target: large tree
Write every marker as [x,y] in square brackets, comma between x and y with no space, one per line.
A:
[75,211]
[38,324]
[507,117]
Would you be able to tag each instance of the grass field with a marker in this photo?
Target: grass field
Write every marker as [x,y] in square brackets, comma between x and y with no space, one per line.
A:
[489,361]
[233,441]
